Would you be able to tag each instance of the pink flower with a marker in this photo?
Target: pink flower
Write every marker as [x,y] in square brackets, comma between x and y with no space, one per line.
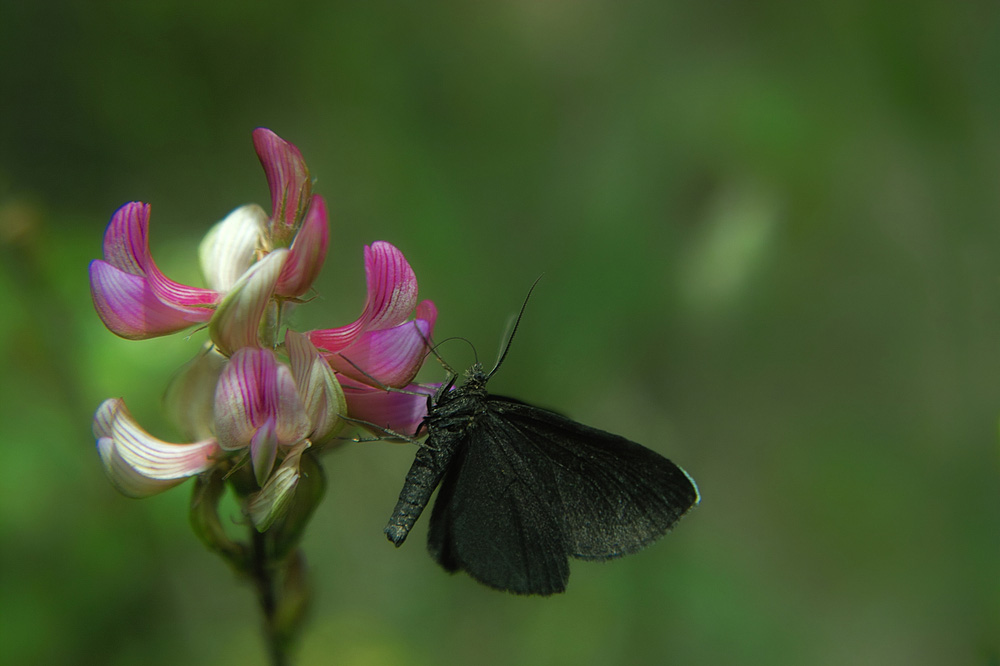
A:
[132,297]
[384,347]
[136,301]
[267,406]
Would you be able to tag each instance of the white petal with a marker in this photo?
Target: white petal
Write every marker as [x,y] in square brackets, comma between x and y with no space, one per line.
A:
[139,463]
[237,318]
[230,247]
[274,498]
[190,397]
[318,387]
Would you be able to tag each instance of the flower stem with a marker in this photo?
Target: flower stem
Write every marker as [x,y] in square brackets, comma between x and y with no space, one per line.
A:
[263,573]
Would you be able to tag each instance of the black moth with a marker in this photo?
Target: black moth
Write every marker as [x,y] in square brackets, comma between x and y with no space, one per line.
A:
[523,489]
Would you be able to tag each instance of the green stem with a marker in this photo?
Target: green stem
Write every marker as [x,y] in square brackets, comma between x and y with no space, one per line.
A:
[263,573]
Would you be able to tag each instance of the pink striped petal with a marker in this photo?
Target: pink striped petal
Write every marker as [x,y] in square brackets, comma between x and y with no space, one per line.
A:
[399,412]
[126,247]
[288,180]
[237,318]
[241,395]
[292,423]
[230,247]
[392,294]
[390,357]
[254,392]
[308,251]
[128,306]
[139,464]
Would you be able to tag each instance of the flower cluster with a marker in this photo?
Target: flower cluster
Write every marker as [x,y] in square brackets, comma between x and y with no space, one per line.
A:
[254,399]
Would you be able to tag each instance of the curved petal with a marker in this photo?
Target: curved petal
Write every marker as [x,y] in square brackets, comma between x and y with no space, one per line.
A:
[237,318]
[254,392]
[126,479]
[392,294]
[140,464]
[307,253]
[229,248]
[275,497]
[288,180]
[291,423]
[400,412]
[190,396]
[126,247]
[390,357]
[128,307]
[263,450]
[317,384]
[240,396]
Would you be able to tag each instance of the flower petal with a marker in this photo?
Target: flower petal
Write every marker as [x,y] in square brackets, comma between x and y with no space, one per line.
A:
[321,394]
[275,497]
[392,294]
[263,450]
[399,412]
[140,464]
[126,247]
[240,403]
[254,390]
[237,318]
[389,357]
[190,396]
[128,307]
[229,248]
[288,180]
[308,250]
[292,423]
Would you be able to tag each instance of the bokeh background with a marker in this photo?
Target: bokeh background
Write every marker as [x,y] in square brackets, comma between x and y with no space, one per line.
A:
[770,239]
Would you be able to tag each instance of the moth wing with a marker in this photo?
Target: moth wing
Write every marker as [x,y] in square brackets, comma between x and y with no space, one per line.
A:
[612,496]
[492,517]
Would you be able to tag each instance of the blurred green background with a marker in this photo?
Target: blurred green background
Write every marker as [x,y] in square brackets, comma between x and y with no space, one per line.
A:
[770,238]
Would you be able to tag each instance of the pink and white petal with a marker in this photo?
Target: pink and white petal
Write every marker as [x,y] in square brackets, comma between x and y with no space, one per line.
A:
[237,318]
[390,357]
[124,478]
[275,497]
[317,384]
[307,253]
[241,396]
[126,244]
[230,247]
[292,423]
[122,441]
[392,286]
[129,308]
[264,450]
[392,294]
[400,412]
[288,180]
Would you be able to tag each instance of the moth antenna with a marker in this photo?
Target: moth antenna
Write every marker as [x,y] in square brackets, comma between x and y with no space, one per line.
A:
[433,350]
[513,331]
